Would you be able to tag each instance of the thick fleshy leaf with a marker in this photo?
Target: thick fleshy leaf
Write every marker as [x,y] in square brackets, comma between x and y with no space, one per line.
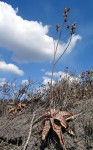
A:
[57,130]
[57,119]
[53,112]
[65,114]
[46,129]
[61,119]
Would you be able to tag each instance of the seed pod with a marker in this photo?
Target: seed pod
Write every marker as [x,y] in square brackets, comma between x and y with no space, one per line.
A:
[74,25]
[68,9]
[65,13]
[65,19]
[73,31]
[57,27]
[73,28]
[68,26]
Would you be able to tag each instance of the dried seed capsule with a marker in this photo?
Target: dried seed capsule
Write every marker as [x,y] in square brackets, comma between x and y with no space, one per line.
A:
[68,26]
[57,27]
[68,9]
[65,13]
[73,31]
[65,19]
[74,25]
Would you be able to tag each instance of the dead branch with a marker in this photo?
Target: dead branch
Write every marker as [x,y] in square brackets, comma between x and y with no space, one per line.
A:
[30,131]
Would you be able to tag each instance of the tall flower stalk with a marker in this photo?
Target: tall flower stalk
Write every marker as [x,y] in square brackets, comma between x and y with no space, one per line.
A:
[56,44]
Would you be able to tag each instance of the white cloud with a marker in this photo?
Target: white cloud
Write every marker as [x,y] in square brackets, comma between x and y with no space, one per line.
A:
[73,42]
[28,40]
[47,80]
[56,74]
[25,82]
[59,75]
[11,68]
[2,81]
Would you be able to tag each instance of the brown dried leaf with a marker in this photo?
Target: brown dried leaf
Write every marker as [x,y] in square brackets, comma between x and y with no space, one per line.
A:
[65,114]
[58,131]
[46,129]
[53,112]
[61,119]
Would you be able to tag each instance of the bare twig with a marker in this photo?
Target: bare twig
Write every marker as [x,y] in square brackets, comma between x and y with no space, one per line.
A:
[66,11]
[64,51]
[53,64]
[74,116]
[30,131]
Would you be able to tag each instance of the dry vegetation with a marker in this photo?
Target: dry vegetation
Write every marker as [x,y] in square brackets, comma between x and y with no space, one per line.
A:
[16,114]
[57,117]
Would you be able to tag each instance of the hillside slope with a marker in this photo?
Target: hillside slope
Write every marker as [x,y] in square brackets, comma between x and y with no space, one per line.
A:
[14,131]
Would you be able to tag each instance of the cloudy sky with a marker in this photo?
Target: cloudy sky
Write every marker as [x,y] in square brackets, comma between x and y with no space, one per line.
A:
[27,34]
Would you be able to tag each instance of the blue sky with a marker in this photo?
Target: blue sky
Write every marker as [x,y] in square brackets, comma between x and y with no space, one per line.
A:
[27,29]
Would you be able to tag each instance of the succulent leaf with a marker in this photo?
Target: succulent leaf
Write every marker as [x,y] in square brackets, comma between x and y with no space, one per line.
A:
[46,129]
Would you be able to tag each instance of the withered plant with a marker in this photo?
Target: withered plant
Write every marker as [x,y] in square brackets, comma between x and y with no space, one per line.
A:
[61,37]
[55,114]
[53,117]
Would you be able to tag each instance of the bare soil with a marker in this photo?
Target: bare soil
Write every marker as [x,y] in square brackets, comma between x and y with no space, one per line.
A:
[14,131]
